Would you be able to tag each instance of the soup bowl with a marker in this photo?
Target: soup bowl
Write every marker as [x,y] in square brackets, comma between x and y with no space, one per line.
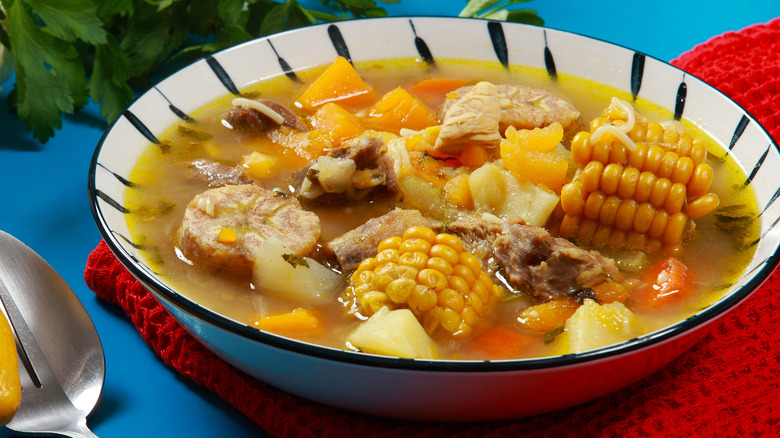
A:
[437,390]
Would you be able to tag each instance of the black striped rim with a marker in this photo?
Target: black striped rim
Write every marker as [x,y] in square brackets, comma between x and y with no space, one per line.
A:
[679,102]
[222,75]
[179,113]
[498,39]
[637,72]
[743,123]
[288,71]
[422,47]
[338,42]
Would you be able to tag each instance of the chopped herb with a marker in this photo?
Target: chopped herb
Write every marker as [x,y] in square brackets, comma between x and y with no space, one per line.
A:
[194,134]
[550,336]
[295,260]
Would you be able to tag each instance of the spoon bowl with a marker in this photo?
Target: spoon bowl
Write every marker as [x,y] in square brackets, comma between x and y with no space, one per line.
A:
[62,365]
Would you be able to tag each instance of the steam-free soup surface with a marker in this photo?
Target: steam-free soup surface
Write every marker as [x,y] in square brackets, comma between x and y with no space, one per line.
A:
[571,253]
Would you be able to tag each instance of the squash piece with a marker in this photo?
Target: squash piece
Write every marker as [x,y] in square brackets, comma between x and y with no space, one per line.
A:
[341,83]
[259,165]
[531,165]
[296,150]
[398,110]
[537,139]
[300,321]
[10,386]
[393,333]
[338,122]
[458,191]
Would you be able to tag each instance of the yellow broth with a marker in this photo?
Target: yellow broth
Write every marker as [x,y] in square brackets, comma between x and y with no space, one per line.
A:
[163,192]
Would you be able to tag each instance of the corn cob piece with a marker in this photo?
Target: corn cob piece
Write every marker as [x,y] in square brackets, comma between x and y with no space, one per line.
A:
[639,183]
[428,273]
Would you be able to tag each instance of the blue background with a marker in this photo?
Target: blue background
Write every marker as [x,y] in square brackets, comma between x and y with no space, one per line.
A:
[45,204]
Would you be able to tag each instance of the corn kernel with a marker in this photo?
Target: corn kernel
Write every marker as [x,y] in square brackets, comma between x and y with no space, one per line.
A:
[446,253]
[423,233]
[414,244]
[399,290]
[389,243]
[413,259]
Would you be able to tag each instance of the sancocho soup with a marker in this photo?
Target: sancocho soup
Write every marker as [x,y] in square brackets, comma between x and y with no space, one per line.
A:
[467,212]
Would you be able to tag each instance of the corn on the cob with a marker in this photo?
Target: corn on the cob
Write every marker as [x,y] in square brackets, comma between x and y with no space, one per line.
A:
[428,273]
[639,183]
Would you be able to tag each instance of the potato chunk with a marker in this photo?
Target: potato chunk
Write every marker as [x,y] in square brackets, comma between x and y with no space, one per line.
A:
[393,333]
[594,326]
[278,270]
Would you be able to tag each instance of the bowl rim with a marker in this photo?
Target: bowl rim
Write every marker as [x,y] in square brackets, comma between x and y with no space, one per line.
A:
[165,293]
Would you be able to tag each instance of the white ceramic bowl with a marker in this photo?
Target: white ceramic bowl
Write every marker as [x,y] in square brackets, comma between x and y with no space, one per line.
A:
[432,389]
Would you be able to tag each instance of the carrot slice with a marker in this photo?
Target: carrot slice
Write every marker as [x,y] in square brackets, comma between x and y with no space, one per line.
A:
[433,91]
[503,343]
[667,282]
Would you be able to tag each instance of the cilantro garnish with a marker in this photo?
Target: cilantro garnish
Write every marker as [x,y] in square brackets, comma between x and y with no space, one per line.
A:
[295,260]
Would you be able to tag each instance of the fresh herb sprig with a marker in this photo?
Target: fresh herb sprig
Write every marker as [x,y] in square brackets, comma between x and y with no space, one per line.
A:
[66,52]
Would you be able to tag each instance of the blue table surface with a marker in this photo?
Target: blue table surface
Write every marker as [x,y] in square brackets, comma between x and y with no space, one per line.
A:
[45,204]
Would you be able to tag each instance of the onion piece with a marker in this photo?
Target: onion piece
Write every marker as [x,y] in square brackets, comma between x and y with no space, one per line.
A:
[614,130]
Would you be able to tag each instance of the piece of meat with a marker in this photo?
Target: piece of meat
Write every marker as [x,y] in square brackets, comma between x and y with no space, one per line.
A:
[216,174]
[363,172]
[523,107]
[549,267]
[360,243]
[255,214]
[261,115]
[477,235]
[471,119]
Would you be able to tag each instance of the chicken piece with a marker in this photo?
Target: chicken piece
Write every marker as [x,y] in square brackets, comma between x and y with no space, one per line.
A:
[523,107]
[223,227]
[471,119]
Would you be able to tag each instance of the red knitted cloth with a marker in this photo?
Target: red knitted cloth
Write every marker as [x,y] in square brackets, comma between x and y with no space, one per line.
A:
[728,384]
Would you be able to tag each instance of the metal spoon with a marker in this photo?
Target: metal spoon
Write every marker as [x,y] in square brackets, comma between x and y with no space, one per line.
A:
[62,366]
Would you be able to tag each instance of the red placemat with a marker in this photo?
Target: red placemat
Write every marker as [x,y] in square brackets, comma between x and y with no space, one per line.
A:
[727,384]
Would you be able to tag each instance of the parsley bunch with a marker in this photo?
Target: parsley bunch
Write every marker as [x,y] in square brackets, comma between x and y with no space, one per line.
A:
[66,52]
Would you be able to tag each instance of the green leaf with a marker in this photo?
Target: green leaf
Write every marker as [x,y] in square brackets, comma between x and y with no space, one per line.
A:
[47,68]
[231,11]
[474,7]
[108,8]
[70,20]
[526,16]
[289,15]
[108,82]
[152,36]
